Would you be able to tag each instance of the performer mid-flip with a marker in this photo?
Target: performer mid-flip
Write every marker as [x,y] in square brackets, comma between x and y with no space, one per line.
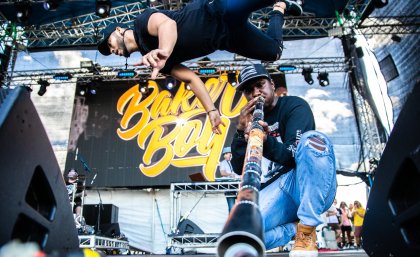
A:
[168,38]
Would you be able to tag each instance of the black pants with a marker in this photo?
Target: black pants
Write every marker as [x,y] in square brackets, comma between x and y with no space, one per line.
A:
[242,36]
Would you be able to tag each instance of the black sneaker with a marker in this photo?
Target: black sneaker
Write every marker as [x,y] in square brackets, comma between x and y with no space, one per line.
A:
[292,8]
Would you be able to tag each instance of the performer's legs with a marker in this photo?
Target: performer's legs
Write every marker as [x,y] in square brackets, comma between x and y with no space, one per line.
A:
[279,210]
[301,194]
[249,41]
[316,177]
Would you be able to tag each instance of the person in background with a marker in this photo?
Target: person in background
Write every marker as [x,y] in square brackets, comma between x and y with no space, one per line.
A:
[226,170]
[333,221]
[295,195]
[281,91]
[345,225]
[351,207]
[359,216]
[75,191]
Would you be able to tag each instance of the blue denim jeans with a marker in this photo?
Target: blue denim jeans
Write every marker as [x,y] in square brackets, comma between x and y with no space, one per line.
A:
[303,193]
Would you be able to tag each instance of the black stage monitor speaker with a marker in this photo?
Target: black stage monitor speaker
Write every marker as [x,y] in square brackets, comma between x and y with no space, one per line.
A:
[188,227]
[34,204]
[392,221]
[110,230]
[109,214]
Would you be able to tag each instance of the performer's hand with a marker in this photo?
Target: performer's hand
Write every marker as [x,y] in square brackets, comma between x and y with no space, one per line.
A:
[216,121]
[265,128]
[245,116]
[156,59]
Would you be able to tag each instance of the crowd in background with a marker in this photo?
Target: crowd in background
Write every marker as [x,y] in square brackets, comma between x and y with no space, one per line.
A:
[347,222]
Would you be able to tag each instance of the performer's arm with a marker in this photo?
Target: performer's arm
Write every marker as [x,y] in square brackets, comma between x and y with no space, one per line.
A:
[165,29]
[186,75]
[239,142]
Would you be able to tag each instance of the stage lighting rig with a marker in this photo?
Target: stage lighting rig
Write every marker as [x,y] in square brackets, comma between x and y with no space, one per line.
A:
[232,78]
[23,9]
[152,3]
[103,7]
[323,79]
[307,75]
[51,5]
[62,76]
[170,82]
[207,71]
[126,74]
[285,67]
[43,84]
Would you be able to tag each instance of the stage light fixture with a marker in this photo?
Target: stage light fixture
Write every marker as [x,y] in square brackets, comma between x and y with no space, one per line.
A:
[207,71]
[323,79]
[170,82]
[22,10]
[307,75]
[86,64]
[82,92]
[43,84]
[396,38]
[126,74]
[283,67]
[103,7]
[51,5]
[232,78]
[152,3]
[62,76]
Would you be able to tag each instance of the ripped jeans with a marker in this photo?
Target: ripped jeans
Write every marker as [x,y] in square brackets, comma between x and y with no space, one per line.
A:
[303,193]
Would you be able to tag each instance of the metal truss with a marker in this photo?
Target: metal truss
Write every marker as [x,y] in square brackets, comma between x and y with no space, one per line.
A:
[206,187]
[305,26]
[356,9]
[371,140]
[390,25]
[102,243]
[194,240]
[107,73]
[198,188]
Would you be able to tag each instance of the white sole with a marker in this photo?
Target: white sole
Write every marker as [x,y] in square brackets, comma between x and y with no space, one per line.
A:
[298,253]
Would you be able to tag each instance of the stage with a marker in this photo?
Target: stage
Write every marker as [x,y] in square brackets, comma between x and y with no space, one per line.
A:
[345,253]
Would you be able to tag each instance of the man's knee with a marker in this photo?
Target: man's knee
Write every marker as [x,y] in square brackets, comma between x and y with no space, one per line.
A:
[315,140]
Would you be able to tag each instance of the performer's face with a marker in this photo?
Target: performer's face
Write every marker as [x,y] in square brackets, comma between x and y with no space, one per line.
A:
[116,43]
[261,87]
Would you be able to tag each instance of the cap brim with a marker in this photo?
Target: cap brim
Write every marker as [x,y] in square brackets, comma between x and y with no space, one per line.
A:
[103,47]
[246,82]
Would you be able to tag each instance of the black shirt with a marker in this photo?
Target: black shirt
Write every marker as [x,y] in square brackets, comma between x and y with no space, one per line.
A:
[199,33]
[290,118]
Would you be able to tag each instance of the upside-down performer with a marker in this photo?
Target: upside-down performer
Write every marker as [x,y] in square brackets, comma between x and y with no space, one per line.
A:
[168,38]
[300,175]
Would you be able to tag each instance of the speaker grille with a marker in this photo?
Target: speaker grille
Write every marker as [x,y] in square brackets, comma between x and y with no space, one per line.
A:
[40,196]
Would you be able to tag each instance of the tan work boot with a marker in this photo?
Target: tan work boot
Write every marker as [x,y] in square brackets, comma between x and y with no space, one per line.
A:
[305,242]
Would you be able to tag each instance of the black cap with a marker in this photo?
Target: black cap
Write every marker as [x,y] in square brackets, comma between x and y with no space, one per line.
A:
[250,73]
[106,32]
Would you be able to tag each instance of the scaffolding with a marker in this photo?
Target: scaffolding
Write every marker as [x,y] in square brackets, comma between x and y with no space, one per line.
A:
[102,243]
[177,190]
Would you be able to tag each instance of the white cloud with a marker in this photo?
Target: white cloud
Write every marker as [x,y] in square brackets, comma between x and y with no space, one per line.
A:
[69,59]
[326,112]
[27,58]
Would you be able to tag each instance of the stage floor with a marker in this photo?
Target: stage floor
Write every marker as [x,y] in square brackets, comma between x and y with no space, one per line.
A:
[345,253]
